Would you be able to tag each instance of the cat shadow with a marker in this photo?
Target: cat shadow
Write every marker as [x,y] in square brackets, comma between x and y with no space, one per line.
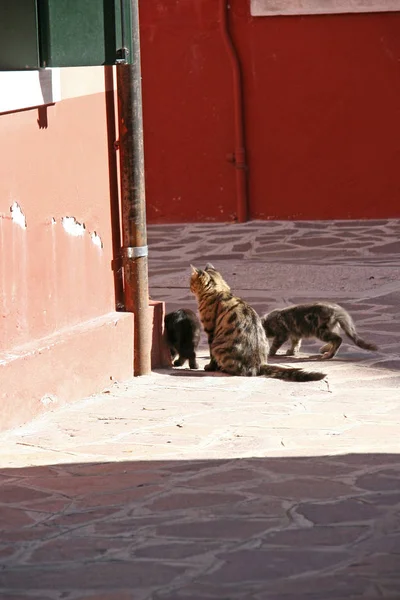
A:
[196,373]
[280,358]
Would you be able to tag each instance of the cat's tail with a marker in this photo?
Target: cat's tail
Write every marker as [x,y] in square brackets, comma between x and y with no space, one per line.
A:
[347,324]
[290,373]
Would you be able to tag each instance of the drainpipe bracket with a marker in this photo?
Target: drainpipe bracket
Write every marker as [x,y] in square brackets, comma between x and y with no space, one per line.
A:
[135,251]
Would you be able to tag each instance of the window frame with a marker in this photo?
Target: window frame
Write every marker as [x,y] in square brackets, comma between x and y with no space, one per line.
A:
[269,8]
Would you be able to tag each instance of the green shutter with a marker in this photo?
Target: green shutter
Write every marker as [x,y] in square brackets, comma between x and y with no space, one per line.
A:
[62,33]
[19,44]
[82,32]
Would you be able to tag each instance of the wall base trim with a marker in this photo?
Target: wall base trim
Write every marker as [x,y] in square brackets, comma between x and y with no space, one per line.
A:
[64,367]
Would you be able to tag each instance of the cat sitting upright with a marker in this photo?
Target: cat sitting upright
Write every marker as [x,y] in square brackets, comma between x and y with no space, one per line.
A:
[236,338]
[182,331]
[320,320]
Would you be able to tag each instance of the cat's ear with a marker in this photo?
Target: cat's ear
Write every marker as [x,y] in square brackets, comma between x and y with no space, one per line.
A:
[195,270]
[210,266]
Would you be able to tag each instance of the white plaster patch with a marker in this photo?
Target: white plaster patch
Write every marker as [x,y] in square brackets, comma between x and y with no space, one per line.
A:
[53,221]
[48,399]
[72,227]
[17,215]
[76,229]
[96,239]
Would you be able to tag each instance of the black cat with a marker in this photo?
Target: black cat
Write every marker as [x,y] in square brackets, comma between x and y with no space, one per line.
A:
[182,331]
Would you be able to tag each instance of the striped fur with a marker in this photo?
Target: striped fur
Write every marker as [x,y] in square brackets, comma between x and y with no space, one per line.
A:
[320,320]
[237,341]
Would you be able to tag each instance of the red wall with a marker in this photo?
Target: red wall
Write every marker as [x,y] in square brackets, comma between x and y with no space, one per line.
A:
[322,113]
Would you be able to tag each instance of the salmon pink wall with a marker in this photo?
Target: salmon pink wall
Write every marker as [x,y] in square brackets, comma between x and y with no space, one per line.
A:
[60,335]
[322,113]
[51,276]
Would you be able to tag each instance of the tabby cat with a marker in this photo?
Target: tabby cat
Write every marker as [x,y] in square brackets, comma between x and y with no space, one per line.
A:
[320,320]
[182,331]
[238,344]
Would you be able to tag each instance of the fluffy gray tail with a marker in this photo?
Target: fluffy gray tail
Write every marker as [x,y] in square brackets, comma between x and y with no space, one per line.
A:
[347,324]
[290,373]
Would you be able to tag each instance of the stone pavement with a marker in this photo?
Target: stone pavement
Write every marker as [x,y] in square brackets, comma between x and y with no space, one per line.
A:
[186,485]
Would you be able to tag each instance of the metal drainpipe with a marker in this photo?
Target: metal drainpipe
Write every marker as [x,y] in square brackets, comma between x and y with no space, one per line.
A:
[133,203]
[239,158]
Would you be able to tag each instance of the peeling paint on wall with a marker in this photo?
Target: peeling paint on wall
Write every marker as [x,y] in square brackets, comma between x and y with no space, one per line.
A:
[76,229]
[96,239]
[17,215]
[49,399]
[72,227]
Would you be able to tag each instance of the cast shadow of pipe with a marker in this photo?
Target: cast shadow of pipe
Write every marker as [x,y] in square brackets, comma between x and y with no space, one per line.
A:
[110,115]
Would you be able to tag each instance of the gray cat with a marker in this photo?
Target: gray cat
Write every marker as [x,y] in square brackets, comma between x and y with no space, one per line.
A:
[320,320]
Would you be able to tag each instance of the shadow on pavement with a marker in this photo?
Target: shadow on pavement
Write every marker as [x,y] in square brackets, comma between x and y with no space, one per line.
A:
[315,527]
